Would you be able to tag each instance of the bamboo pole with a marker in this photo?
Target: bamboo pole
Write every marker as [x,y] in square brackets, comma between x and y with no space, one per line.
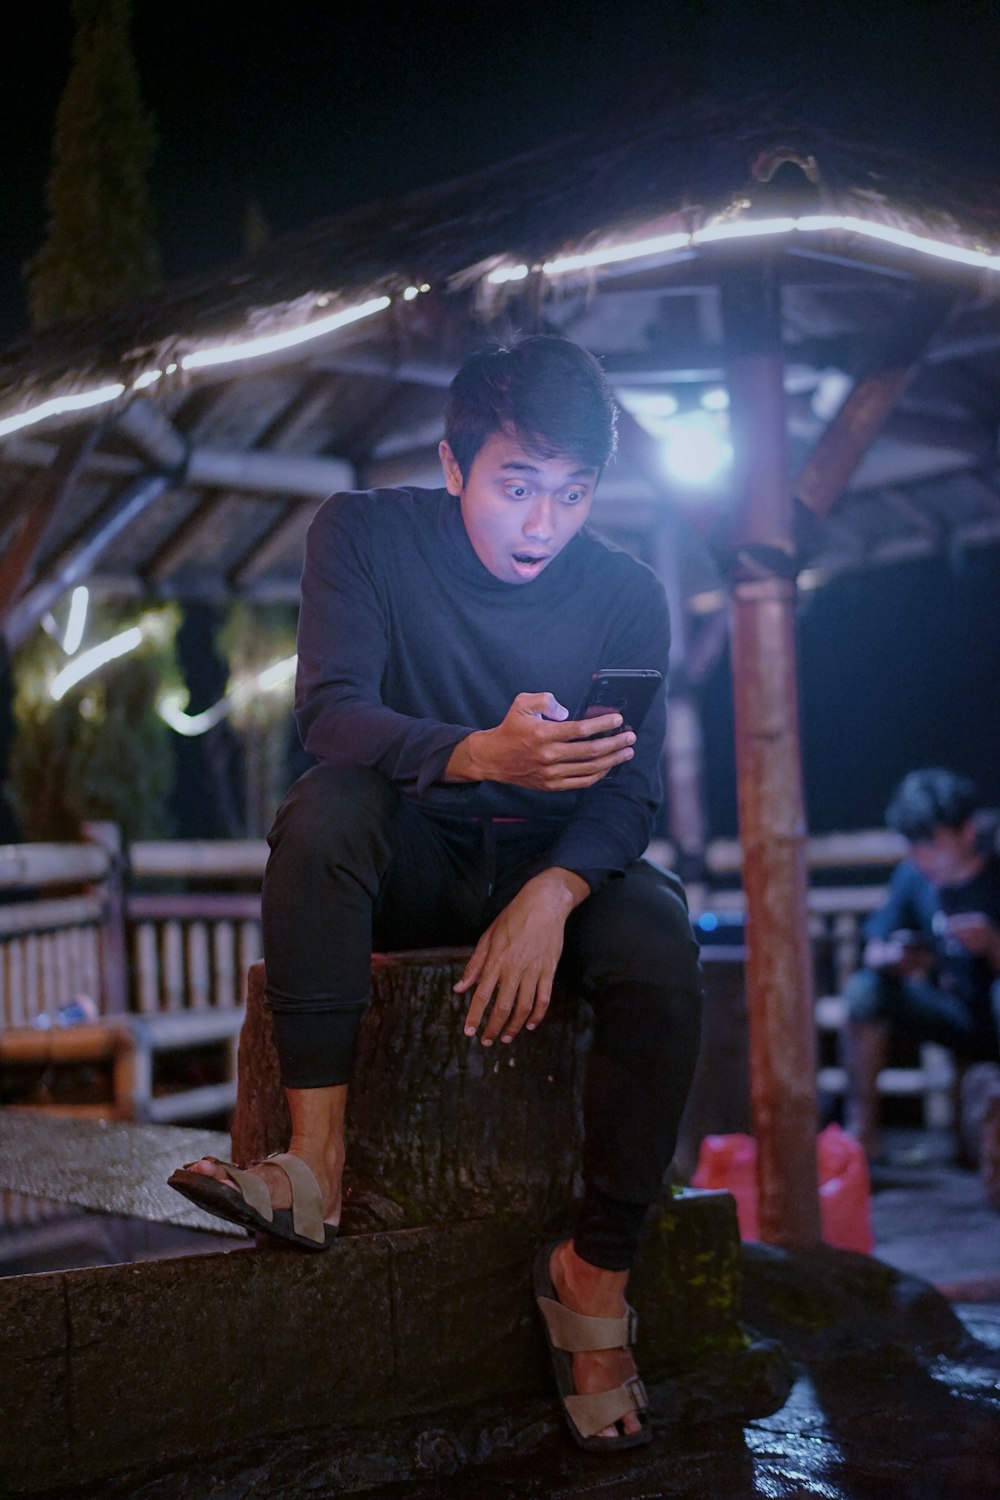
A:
[769,774]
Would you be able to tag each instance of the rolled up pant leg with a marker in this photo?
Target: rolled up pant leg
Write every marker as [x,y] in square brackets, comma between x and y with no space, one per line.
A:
[630,951]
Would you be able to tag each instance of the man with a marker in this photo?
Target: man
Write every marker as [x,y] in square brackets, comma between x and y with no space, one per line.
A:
[933,952]
[445,639]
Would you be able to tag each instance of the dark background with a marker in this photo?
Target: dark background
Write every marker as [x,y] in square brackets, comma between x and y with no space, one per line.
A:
[308,108]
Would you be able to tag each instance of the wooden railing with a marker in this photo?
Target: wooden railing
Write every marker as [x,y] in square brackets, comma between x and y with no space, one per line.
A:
[52,945]
[173,961]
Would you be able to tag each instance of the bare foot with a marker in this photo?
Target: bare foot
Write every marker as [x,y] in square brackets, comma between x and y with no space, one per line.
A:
[327,1166]
[599,1294]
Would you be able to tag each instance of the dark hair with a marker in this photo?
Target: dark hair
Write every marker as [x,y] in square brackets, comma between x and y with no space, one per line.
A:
[930,799]
[550,393]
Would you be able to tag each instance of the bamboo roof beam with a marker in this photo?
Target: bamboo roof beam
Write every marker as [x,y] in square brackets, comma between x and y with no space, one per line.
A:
[270,547]
[45,496]
[253,472]
[76,562]
[827,471]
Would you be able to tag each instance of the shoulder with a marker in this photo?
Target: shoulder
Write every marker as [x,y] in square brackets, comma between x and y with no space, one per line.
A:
[907,881]
[607,563]
[373,516]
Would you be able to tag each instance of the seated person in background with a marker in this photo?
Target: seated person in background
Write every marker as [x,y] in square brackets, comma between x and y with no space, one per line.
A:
[932,959]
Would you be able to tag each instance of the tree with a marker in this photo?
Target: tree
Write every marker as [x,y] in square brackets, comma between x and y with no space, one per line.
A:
[100,247]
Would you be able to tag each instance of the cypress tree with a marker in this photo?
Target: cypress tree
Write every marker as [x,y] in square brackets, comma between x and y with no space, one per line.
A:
[100,246]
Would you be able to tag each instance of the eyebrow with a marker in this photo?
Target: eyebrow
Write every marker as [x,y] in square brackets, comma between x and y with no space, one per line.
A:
[513,466]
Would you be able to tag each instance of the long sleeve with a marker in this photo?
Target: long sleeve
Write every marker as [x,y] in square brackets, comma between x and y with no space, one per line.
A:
[910,905]
[343,649]
[613,820]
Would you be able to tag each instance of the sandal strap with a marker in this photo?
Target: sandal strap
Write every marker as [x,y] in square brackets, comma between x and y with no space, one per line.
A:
[577,1333]
[253,1190]
[591,1414]
[307,1200]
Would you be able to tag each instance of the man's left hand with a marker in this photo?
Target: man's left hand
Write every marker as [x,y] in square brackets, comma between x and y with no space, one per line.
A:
[514,962]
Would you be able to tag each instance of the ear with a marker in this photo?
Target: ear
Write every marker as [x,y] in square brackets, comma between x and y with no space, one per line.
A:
[454,483]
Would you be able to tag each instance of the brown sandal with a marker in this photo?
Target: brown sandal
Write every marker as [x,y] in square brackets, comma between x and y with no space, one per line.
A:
[568,1333]
[250,1203]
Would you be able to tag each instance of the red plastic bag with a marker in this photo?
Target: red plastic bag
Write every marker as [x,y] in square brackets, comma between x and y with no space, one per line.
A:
[729,1162]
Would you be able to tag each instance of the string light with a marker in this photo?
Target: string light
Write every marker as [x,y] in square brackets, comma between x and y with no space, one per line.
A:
[91,661]
[59,405]
[170,706]
[738,229]
[220,354]
[225,354]
[77,620]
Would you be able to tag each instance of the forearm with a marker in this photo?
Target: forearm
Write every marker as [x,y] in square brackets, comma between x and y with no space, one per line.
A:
[564,888]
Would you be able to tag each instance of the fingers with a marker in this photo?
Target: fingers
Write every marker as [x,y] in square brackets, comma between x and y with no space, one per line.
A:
[543,995]
[545,704]
[520,1002]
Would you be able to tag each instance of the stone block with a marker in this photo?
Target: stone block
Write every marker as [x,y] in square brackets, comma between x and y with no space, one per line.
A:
[167,1357]
[34,1409]
[136,1366]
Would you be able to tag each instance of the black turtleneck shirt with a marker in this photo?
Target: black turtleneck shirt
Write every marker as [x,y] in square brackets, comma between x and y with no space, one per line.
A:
[407,643]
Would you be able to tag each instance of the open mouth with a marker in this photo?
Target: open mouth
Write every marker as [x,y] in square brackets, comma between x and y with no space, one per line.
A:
[529,563]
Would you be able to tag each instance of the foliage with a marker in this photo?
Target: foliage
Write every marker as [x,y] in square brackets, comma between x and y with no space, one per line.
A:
[102,751]
[100,246]
[253,639]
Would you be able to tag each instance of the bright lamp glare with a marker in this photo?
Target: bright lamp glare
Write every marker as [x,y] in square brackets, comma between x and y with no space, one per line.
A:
[695,450]
[716,398]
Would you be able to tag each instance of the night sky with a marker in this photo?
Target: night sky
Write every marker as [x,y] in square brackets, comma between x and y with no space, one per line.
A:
[309,108]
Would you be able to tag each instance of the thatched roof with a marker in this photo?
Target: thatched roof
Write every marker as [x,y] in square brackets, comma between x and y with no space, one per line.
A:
[362,405]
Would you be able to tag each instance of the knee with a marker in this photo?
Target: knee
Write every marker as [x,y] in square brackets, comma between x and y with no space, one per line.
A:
[332,813]
[641,935]
[867,997]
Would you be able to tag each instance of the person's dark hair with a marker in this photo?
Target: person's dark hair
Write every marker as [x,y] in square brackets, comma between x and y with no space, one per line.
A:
[550,393]
[929,799]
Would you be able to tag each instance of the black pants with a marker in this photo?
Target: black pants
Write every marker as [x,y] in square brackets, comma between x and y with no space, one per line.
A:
[355,866]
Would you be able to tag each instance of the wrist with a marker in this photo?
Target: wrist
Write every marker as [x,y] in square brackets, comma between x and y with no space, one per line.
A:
[564,886]
[466,762]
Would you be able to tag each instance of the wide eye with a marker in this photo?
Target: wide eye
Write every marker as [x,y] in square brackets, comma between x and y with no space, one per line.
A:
[517,491]
[573,497]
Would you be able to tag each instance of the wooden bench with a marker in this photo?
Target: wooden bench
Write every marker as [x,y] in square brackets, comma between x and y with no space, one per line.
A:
[164,969]
[837,914]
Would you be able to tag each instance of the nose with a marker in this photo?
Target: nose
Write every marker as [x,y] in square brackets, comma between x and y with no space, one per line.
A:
[539,523]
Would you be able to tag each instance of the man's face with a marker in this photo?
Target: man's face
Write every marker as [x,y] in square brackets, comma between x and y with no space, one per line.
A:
[519,510]
[949,857]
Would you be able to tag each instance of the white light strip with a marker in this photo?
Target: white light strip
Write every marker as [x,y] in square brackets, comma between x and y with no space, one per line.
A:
[222,354]
[59,405]
[940,249]
[225,354]
[90,661]
[170,710]
[79,600]
[738,229]
[742,229]
[190,725]
[274,677]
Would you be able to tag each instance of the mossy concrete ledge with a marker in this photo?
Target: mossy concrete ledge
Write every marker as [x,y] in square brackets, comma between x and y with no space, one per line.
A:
[461,1160]
[137,1367]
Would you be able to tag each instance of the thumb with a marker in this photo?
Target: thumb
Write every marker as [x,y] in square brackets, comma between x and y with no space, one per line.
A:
[544,704]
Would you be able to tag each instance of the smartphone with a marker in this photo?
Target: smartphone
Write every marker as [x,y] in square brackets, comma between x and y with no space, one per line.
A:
[625,690]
